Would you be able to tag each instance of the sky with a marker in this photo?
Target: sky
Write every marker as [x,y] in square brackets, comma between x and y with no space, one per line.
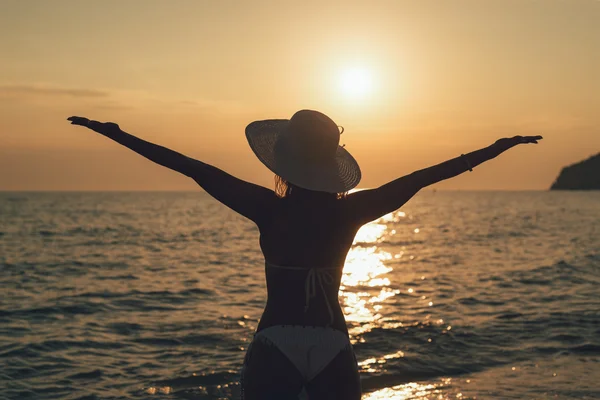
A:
[429,80]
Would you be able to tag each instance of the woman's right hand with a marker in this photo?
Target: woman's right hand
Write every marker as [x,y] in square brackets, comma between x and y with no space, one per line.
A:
[507,143]
[100,127]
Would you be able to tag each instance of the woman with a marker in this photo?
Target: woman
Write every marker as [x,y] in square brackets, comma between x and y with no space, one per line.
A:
[301,346]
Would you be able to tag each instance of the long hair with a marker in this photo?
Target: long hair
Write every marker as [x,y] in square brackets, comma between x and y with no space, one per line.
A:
[283,189]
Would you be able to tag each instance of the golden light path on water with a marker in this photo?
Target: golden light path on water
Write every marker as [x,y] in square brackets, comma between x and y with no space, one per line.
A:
[412,391]
[366,268]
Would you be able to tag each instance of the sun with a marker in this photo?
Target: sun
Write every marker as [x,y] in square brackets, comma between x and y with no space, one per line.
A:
[356,82]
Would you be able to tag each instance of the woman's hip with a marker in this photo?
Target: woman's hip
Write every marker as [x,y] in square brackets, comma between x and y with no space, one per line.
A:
[285,361]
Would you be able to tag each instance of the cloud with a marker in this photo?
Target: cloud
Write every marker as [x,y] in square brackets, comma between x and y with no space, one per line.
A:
[113,105]
[51,91]
[116,99]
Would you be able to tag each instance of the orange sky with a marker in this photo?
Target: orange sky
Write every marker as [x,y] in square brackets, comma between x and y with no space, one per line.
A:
[448,77]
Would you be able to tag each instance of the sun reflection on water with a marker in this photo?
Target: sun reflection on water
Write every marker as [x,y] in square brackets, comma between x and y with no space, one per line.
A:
[371,364]
[373,232]
[364,291]
[370,233]
[363,264]
[413,390]
[365,269]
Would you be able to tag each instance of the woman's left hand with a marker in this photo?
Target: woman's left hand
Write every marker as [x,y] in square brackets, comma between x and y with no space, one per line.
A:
[100,127]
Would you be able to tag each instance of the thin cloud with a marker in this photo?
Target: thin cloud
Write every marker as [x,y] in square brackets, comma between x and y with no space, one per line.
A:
[112,105]
[51,91]
[118,99]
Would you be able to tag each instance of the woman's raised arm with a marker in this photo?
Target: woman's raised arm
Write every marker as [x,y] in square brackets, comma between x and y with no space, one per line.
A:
[249,200]
[368,205]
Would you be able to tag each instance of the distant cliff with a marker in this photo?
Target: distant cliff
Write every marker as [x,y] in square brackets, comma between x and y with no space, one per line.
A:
[584,175]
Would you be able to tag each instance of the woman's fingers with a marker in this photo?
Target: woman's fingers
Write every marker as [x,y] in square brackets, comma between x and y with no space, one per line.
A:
[534,139]
[100,127]
[529,139]
[78,121]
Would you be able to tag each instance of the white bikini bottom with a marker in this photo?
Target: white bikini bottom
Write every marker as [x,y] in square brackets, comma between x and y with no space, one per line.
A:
[309,348]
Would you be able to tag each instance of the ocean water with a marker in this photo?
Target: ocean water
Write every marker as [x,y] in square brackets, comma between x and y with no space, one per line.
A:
[487,295]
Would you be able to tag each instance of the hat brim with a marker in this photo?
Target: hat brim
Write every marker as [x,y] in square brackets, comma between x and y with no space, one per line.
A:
[339,176]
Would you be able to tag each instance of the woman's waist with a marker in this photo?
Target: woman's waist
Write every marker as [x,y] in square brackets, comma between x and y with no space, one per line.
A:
[267,322]
[278,312]
[296,302]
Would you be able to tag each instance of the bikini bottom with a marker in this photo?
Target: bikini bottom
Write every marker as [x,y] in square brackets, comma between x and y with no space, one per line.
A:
[286,361]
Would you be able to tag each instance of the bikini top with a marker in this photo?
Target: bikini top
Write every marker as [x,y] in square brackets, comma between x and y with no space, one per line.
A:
[314,275]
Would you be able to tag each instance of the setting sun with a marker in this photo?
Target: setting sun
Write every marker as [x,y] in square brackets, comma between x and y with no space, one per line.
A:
[356,82]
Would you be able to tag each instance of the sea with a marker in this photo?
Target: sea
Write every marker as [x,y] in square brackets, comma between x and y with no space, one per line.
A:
[156,295]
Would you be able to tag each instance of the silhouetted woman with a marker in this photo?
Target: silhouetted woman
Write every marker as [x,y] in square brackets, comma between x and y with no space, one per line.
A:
[301,346]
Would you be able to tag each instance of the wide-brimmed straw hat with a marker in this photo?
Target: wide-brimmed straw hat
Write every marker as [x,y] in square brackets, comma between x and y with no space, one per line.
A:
[305,151]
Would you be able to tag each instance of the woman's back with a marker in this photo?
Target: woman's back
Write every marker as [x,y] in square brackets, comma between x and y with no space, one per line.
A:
[305,231]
